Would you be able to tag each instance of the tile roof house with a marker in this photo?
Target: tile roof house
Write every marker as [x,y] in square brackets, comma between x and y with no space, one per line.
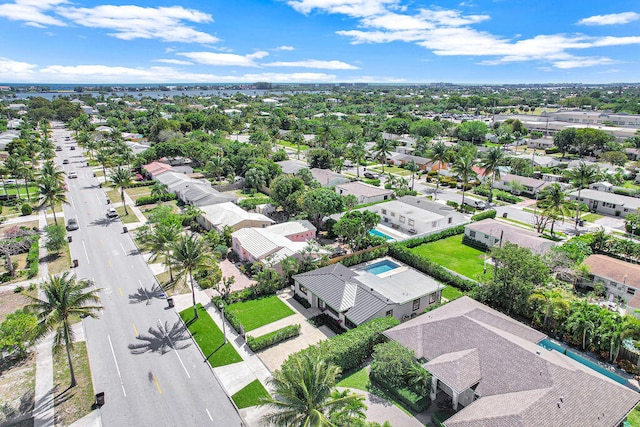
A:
[193,191]
[607,203]
[489,232]
[156,168]
[229,214]
[378,288]
[621,278]
[497,374]
[365,193]
[531,185]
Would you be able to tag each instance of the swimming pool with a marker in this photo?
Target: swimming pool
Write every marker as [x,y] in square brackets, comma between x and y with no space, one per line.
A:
[380,234]
[550,345]
[381,267]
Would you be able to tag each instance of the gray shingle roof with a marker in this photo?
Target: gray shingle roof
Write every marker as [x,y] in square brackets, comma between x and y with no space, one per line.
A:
[521,383]
[465,366]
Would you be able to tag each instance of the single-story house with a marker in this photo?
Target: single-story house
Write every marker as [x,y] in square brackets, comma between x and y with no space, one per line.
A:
[621,278]
[539,160]
[193,191]
[328,178]
[607,203]
[632,153]
[604,186]
[490,232]
[541,143]
[365,193]
[497,372]
[530,185]
[379,288]
[273,243]
[229,214]
[292,166]
[402,159]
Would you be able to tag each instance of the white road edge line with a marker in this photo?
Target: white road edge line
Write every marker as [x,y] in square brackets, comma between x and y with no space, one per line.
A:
[85,252]
[71,200]
[99,200]
[145,291]
[124,251]
[176,351]
[210,417]
[117,367]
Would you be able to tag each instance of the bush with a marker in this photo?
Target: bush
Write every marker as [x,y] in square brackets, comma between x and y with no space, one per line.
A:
[351,349]
[453,204]
[149,200]
[414,401]
[491,213]
[365,256]
[417,241]
[55,238]
[26,209]
[482,191]
[374,182]
[507,197]
[391,364]
[251,203]
[552,150]
[33,258]
[135,184]
[272,338]
[303,301]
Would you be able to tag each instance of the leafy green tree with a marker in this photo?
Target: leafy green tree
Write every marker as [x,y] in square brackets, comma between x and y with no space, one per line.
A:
[159,191]
[55,238]
[489,161]
[319,158]
[356,153]
[321,202]
[159,242]
[354,228]
[121,178]
[565,140]
[616,158]
[63,297]
[394,365]
[303,393]
[581,321]
[255,178]
[473,131]
[17,332]
[554,201]
[305,175]
[286,191]
[549,306]
[188,254]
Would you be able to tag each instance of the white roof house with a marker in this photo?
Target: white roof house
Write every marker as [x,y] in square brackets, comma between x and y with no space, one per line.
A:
[256,244]
[365,193]
[193,191]
[229,214]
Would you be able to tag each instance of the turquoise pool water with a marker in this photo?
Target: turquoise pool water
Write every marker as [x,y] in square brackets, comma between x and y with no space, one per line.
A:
[550,345]
[380,234]
[381,267]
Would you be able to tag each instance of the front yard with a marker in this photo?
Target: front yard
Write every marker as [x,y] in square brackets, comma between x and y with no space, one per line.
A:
[250,395]
[456,256]
[259,312]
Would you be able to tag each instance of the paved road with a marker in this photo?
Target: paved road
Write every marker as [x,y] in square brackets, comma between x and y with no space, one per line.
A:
[161,380]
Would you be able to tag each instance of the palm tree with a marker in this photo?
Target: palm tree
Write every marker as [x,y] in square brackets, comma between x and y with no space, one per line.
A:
[190,253]
[63,297]
[159,242]
[580,322]
[51,194]
[413,168]
[462,167]
[357,152]
[490,160]
[440,154]
[550,304]
[121,178]
[581,177]
[303,394]
[382,150]
[49,169]
[105,159]
[555,203]
[159,191]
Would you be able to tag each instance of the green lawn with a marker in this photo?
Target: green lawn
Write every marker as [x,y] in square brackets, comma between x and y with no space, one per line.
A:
[451,293]
[126,219]
[455,256]
[358,380]
[259,312]
[390,169]
[72,404]
[634,417]
[209,338]
[250,395]
[591,217]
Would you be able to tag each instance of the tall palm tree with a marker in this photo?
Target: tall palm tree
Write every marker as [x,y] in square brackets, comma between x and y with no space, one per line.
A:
[159,191]
[462,167]
[303,394]
[63,297]
[413,168]
[489,161]
[51,194]
[581,321]
[382,150]
[49,169]
[190,253]
[440,154]
[555,203]
[159,242]
[550,305]
[104,157]
[121,178]
[357,152]
[581,177]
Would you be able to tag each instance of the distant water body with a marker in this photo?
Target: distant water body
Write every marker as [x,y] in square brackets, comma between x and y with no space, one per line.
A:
[158,94]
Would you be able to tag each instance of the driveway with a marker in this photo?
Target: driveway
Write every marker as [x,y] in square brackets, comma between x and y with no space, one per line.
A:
[241,280]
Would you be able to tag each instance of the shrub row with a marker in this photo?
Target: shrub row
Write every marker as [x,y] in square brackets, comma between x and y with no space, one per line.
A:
[364,257]
[349,350]
[482,191]
[273,338]
[453,204]
[417,241]
[414,401]
[375,182]
[507,197]
[491,213]
[148,200]
[33,258]
[250,204]
[430,268]
[233,320]
[135,184]
[303,301]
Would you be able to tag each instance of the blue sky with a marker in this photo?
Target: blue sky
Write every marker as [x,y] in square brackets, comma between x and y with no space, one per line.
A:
[375,41]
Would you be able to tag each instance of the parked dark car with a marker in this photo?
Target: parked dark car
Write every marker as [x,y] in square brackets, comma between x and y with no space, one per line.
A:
[72,224]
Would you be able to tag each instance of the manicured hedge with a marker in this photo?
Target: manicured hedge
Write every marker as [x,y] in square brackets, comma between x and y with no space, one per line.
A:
[273,338]
[491,213]
[148,200]
[412,243]
[430,268]
[507,197]
[33,258]
[364,257]
[135,184]
[351,349]
[414,401]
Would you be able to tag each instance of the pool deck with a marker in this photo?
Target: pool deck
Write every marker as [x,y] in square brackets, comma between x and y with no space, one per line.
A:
[395,234]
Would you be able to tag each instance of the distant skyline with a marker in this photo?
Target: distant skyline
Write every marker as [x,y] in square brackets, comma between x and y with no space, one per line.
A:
[318,41]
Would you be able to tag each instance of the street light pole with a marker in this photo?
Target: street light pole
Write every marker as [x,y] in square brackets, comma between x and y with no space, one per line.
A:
[224,329]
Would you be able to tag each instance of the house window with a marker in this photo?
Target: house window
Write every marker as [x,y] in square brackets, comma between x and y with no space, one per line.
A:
[384,211]
[416,304]
[472,234]
[389,313]
[432,297]
[411,222]
[631,291]
[401,219]
[303,289]
[332,311]
[386,197]
[393,214]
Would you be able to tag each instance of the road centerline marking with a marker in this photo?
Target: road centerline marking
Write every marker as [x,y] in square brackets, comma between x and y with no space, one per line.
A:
[155,379]
[135,329]
[120,291]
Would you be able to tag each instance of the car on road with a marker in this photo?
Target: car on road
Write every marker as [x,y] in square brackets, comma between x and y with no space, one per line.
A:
[112,213]
[72,224]
[370,175]
[475,203]
[73,174]
[58,148]
[73,147]
[65,162]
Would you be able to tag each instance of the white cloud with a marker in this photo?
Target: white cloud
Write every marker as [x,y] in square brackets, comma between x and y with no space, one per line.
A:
[355,8]
[314,63]
[134,22]
[285,48]
[225,59]
[581,62]
[611,19]
[173,61]
[10,69]
[32,12]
